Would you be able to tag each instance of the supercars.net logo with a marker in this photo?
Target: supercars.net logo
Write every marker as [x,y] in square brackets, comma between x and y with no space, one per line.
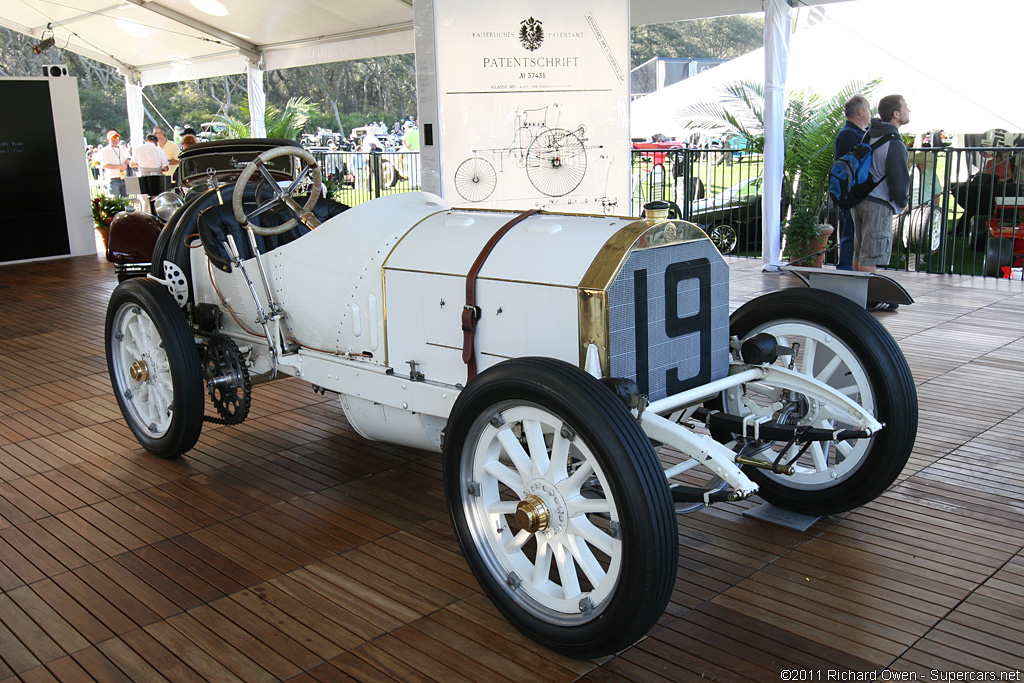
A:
[531,34]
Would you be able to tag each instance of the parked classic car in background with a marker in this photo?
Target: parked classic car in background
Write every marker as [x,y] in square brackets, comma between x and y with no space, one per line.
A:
[732,217]
[547,356]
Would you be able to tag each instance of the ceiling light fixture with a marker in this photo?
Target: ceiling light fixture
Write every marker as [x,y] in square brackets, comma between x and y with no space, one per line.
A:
[43,45]
[46,42]
[132,28]
[211,7]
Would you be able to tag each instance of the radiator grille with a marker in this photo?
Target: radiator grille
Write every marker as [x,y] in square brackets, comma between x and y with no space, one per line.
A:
[669,318]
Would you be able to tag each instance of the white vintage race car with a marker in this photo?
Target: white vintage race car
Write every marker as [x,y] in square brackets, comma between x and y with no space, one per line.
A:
[548,356]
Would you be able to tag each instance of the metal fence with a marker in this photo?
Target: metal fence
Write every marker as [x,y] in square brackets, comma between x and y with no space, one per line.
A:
[355,177]
[966,212]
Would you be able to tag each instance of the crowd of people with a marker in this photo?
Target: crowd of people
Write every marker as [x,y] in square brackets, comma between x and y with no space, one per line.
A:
[158,154]
[115,161]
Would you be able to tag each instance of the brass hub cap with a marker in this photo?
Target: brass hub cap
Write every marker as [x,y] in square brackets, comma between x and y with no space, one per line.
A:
[139,371]
[532,515]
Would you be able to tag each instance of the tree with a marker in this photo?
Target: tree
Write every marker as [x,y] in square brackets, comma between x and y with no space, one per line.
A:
[809,134]
[718,38]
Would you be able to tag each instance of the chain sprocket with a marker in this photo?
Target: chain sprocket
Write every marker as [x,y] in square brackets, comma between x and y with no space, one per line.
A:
[227,380]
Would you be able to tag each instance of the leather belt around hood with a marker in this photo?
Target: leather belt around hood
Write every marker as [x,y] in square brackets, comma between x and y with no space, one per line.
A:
[471,312]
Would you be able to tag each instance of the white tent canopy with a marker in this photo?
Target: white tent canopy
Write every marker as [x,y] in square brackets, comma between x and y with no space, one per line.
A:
[917,48]
[174,40]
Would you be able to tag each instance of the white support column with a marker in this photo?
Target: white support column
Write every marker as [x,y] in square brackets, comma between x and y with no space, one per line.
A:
[257,99]
[133,94]
[777,26]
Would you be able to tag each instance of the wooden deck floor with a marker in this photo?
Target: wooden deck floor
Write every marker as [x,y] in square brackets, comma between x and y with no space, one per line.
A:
[288,548]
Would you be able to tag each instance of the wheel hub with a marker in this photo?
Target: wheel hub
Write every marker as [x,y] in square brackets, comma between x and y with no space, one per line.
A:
[543,510]
[139,371]
[532,515]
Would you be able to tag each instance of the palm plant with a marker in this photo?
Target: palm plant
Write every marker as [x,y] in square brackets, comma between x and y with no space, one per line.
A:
[286,124]
[809,132]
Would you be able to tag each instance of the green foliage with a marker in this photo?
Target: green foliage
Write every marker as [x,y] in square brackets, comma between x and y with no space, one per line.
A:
[799,230]
[286,124]
[809,134]
[717,37]
[105,207]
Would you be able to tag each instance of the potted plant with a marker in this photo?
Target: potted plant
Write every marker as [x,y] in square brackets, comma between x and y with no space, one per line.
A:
[806,236]
[104,208]
[810,127]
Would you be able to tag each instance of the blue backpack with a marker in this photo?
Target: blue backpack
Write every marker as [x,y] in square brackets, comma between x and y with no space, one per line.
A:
[849,180]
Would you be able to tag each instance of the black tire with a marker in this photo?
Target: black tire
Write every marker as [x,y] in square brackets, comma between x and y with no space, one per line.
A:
[612,611]
[977,233]
[998,255]
[388,173]
[154,367]
[870,361]
[922,229]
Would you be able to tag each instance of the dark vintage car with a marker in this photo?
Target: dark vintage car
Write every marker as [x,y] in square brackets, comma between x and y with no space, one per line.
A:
[133,234]
[731,218]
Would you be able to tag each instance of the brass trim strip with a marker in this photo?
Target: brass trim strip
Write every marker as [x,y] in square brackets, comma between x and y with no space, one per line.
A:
[637,235]
[594,326]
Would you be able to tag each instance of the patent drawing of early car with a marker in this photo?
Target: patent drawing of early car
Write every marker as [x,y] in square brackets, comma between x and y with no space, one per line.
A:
[548,357]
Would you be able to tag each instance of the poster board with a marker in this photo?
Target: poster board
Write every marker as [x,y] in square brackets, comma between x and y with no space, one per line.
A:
[525,105]
[44,186]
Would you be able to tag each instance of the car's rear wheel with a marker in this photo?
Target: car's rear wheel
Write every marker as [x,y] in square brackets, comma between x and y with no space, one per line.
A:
[998,255]
[154,367]
[561,506]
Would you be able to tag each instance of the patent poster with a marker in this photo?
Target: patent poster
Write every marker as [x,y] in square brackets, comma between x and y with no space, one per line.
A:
[533,104]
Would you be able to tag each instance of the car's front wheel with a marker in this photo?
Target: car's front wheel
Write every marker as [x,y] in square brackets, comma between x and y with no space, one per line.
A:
[832,340]
[561,506]
[154,367]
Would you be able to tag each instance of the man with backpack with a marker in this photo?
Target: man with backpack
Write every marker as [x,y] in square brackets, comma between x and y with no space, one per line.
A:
[858,118]
[872,217]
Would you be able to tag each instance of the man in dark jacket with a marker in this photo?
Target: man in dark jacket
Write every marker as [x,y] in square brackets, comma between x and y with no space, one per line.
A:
[872,218]
[858,117]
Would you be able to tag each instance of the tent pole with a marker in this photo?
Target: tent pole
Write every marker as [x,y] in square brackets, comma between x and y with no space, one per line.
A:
[136,109]
[777,24]
[257,99]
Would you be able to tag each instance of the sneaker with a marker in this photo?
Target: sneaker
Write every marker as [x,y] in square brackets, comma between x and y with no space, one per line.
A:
[882,306]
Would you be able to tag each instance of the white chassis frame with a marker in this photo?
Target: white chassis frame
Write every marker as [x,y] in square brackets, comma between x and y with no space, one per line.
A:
[349,376]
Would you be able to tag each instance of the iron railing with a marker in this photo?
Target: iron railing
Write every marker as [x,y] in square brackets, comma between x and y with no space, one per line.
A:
[356,177]
[966,212]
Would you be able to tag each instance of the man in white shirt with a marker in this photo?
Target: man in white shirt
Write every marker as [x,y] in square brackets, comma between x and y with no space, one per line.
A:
[114,161]
[149,159]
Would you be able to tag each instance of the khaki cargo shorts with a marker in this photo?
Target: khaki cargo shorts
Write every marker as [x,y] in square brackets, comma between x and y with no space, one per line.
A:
[872,238]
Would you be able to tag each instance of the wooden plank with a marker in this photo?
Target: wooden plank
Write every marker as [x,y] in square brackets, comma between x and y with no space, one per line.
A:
[154,652]
[233,636]
[84,623]
[130,662]
[43,616]
[97,605]
[294,624]
[219,649]
[195,657]
[262,633]
[99,667]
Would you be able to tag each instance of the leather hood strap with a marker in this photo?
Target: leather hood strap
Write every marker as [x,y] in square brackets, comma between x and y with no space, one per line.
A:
[471,312]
